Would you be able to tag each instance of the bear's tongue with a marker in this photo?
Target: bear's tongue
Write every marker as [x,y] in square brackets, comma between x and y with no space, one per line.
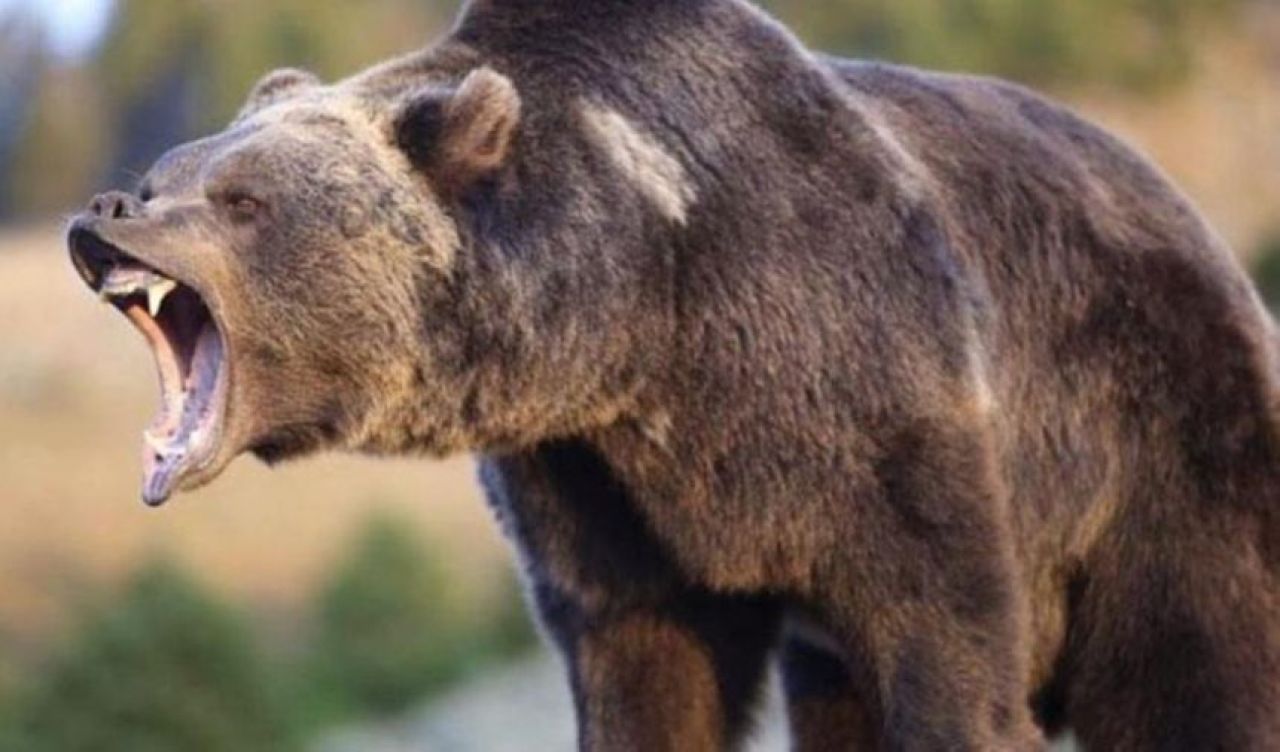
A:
[184,429]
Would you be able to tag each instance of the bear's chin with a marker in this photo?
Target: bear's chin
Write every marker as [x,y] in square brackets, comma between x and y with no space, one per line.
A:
[290,443]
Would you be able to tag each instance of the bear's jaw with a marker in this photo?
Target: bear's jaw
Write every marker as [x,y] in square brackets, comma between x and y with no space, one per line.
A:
[190,354]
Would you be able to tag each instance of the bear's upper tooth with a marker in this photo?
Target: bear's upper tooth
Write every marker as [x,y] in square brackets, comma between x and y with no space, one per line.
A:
[156,293]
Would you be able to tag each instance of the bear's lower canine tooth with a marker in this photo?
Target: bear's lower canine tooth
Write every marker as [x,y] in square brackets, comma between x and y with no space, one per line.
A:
[161,447]
[156,444]
[156,294]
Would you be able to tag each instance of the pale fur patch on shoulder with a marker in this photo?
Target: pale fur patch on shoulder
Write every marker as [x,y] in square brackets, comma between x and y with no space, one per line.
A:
[653,170]
[915,176]
[984,400]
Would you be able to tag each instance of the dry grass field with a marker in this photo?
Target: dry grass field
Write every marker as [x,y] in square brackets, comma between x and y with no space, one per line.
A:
[76,389]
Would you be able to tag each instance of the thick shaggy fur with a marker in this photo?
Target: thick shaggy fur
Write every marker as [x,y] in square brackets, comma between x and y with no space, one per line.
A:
[916,383]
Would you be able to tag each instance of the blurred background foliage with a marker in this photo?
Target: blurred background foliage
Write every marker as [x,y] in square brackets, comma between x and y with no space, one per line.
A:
[166,70]
[163,664]
[393,629]
[233,643]
[1136,44]
[1266,269]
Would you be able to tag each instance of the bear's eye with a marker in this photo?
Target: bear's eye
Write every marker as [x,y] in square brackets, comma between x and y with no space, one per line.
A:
[242,206]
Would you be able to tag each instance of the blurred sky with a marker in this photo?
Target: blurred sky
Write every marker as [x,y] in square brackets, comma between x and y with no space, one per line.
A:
[72,25]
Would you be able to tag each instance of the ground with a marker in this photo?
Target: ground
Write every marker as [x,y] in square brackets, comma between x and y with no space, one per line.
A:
[535,711]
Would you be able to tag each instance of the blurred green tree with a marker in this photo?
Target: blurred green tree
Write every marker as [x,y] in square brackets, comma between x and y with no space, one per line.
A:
[391,631]
[167,71]
[234,42]
[388,630]
[1137,44]
[57,158]
[1266,270]
[509,631]
[22,57]
[164,668]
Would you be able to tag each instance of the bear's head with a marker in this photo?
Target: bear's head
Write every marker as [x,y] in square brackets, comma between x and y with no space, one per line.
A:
[294,274]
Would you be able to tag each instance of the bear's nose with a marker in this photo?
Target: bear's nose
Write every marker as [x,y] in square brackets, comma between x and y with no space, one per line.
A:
[115,205]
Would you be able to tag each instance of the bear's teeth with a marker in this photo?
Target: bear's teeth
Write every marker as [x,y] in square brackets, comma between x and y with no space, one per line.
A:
[159,445]
[156,294]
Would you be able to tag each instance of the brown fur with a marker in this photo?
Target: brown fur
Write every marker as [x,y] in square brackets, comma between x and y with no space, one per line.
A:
[919,379]
[616,665]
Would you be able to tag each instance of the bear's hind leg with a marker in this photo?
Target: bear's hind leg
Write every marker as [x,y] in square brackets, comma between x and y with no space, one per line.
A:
[1177,648]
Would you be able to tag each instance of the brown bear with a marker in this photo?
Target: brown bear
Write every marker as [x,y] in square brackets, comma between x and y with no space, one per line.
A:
[917,383]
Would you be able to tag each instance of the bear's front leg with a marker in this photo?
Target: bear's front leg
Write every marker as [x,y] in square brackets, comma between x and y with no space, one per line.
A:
[824,709]
[681,679]
[654,662]
[646,682]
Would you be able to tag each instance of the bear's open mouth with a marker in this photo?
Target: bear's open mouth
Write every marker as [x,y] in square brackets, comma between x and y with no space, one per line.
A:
[190,356]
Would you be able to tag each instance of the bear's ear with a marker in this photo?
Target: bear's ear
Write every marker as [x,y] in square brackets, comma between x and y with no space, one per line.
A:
[460,135]
[276,86]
